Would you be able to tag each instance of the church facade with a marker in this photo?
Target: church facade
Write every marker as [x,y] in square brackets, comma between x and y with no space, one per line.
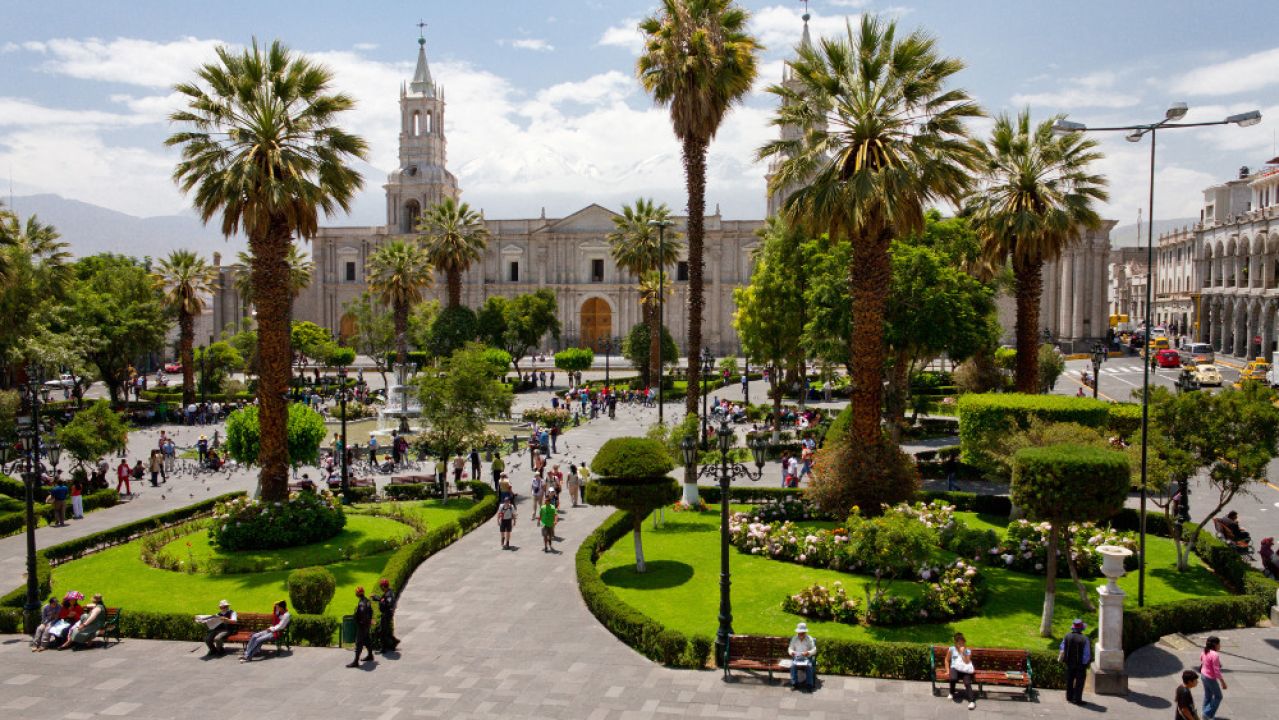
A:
[598,302]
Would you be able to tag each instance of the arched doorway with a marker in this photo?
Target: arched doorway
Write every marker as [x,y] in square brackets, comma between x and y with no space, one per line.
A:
[408,221]
[346,327]
[597,323]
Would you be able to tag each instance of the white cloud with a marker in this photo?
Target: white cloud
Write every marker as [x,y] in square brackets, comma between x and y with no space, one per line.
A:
[780,27]
[17,112]
[534,44]
[364,46]
[1244,74]
[849,3]
[1095,90]
[625,34]
[126,60]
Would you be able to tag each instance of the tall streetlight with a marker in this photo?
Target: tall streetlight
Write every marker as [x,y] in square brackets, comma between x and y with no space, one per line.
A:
[1098,357]
[1134,133]
[725,471]
[708,364]
[28,434]
[346,472]
[661,226]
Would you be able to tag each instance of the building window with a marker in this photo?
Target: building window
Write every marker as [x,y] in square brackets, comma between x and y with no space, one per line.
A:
[597,270]
[513,271]
[681,271]
[417,123]
[350,272]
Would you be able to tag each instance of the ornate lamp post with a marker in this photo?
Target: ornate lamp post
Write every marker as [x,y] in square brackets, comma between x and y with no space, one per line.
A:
[608,351]
[726,471]
[708,364]
[343,392]
[29,444]
[1135,133]
[661,226]
[1098,357]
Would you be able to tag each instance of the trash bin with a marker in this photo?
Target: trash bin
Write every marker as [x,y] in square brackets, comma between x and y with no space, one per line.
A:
[347,636]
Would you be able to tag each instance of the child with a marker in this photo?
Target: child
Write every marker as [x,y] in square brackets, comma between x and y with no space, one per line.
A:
[1184,699]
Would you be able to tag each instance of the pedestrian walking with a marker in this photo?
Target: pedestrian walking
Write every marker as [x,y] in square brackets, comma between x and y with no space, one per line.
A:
[574,483]
[386,603]
[497,467]
[123,474]
[363,621]
[1210,672]
[459,466]
[58,495]
[77,498]
[1076,652]
[547,516]
[155,463]
[475,463]
[1183,699]
[506,521]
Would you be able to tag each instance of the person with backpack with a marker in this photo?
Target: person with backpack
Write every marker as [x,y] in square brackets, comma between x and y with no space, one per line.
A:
[506,521]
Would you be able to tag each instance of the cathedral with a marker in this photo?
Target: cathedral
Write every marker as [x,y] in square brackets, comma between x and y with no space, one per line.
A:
[597,300]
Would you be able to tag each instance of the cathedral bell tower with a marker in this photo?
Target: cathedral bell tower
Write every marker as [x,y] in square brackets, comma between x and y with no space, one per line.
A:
[788,131]
[422,179]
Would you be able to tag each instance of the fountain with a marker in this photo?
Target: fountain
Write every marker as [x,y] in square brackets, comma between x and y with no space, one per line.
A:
[398,403]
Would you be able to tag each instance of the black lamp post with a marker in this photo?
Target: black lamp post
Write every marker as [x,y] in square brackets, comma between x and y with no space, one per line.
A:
[708,364]
[746,376]
[661,226]
[1098,357]
[726,471]
[204,374]
[29,443]
[346,473]
[608,351]
[1135,133]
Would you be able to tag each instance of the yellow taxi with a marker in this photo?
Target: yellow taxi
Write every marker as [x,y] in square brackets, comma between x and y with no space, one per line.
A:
[1159,342]
[1257,370]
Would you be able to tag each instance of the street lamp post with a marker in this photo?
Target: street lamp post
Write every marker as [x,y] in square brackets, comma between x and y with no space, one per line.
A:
[29,439]
[661,226]
[746,377]
[1098,357]
[608,351]
[346,473]
[725,471]
[708,364]
[1134,134]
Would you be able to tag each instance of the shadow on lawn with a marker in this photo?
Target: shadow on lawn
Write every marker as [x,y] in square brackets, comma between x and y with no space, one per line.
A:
[676,527]
[661,574]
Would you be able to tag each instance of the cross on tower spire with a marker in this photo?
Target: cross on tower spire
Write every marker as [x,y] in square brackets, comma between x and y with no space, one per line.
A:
[421,26]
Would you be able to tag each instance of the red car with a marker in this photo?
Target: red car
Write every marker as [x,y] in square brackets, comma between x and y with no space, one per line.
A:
[1168,358]
[173,367]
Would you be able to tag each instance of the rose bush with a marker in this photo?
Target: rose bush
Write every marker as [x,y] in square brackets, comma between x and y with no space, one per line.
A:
[1025,546]
[820,603]
[306,517]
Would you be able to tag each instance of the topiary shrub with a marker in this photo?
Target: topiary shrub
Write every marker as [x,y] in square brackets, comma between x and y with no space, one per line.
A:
[869,477]
[984,418]
[244,524]
[1062,484]
[305,433]
[632,477]
[311,589]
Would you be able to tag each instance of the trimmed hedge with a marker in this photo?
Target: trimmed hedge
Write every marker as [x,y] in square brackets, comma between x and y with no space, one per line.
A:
[405,560]
[413,491]
[314,630]
[632,457]
[982,416]
[13,488]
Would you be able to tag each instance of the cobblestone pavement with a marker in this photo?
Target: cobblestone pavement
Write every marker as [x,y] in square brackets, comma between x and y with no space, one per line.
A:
[491,633]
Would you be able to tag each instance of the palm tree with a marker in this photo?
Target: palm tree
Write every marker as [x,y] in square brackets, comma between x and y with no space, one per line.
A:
[455,237]
[882,137]
[301,268]
[699,59]
[653,288]
[1036,194]
[35,246]
[636,249]
[262,150]
[397,273]
[185,279]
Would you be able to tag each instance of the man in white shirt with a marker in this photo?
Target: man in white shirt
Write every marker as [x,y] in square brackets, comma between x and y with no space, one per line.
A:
[218,633]
[803,651]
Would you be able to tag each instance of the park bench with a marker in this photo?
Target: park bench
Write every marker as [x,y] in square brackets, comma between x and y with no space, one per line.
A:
[755,653]
[111,627]
[247,624]
[994,666]
[1243,547]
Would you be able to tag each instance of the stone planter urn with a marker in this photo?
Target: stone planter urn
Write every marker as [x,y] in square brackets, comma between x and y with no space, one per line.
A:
[1109,676]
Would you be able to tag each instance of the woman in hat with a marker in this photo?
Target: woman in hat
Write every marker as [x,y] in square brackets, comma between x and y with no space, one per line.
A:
[68,615]
[86,629]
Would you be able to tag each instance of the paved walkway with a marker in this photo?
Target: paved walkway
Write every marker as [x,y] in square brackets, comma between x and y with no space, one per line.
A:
[498,634]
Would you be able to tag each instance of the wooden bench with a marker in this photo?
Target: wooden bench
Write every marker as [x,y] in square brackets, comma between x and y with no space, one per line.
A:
[1227,536]
[111,627]
[755,653]
[247,624]
[994,666]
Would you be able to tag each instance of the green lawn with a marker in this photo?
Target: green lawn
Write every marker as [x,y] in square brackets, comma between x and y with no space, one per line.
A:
[363,535]
[681,589]
[432,512]
[124,580]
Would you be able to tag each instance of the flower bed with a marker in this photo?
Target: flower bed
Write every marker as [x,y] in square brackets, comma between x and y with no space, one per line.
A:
[307,517]
[1025,547]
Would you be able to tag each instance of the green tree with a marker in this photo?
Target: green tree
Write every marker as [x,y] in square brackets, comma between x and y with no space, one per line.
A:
[451,330]
[640,249]
[770,310]
[301,268]
[517,325]
[700,60]
[454,237]
[94,431]
[882,136]
[1049,365]
[631,475]
[575,359]
[374,331]
[116,302]
[1036,195]
[244,338]
[35,278]
[635,347]
[1063,484]
[216,363]
[309,340]
[186,279]
[397,273]
[305,433]
[261,148]
[460,398]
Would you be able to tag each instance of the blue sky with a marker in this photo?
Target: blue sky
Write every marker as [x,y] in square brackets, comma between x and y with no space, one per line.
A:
[544,110]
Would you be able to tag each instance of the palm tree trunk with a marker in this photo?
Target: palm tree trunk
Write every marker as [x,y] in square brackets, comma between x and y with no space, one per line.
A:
[455,288]
[898,387]
[1050,585]
[695,180]
[1029,279]
[270,273]
[869,278]
[654,370]
[186,336]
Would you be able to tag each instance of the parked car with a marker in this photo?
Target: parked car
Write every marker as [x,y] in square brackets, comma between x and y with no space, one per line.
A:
[1256,370]
[1168,358]
[173,367]
[1208,375]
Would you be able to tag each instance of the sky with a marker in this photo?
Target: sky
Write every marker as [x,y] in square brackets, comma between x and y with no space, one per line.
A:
[544,111]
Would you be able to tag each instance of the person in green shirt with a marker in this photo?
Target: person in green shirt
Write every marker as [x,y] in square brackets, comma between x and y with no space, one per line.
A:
[498,467]
[546,517]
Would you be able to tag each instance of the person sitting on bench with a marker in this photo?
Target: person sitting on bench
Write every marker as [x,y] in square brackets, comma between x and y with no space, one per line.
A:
[959,667]
[1237,533]
[803,650]
[281,613]
[86,628]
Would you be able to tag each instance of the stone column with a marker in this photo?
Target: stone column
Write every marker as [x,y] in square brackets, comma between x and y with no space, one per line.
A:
[1048,298]
[1066,273]
[1079,295]
[1109,674]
